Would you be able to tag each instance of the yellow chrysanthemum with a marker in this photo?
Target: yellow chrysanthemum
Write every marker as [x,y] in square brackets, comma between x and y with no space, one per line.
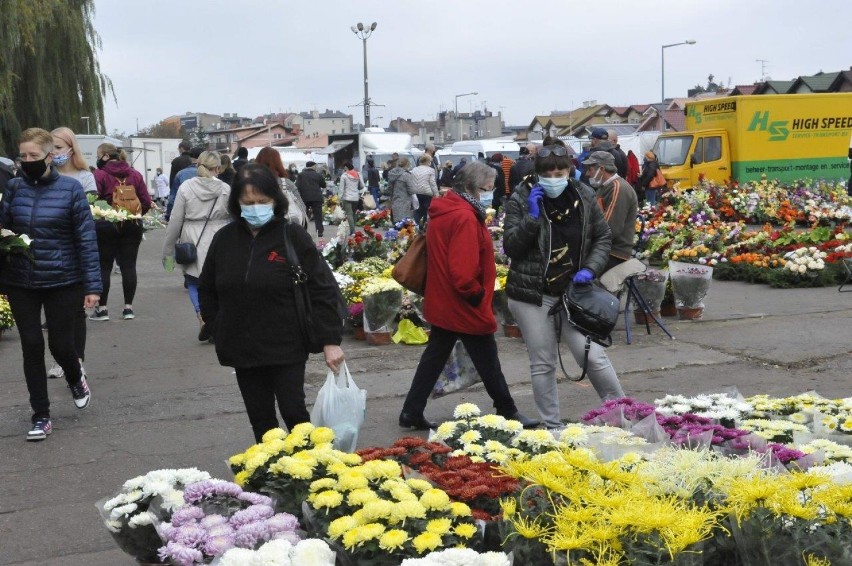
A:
[435,499]
[326,499]
[814,560]
[242,478]
[378,469]
[418,484]
[403,494]
[362,496]
[378,509]
[409,510]
[302,429]
[446,430]
[465,530]
[470,437]
[846,425]
[427,542]
[322,435]
[466,411]
[393,539]
[237,459]
[361,534]
[439,526]
[295,441]
[351,480]
[341,526]
[509,506]
[321,484]
[459,509]
[273,434]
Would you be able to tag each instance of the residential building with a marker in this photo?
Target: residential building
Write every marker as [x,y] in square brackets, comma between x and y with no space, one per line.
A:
[193,121]
[330,122]
[255,135]
[450,127]
[422,131]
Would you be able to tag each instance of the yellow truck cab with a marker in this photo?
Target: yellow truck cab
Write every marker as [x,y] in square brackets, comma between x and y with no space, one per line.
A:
[785,137]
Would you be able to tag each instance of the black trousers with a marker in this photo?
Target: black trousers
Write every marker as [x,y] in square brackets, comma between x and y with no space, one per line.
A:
[482,350]
[261,386]
[61,310]
[315,207]
[423,202]
[119,243]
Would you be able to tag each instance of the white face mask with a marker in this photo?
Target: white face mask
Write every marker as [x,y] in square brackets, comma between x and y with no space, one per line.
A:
[596,181]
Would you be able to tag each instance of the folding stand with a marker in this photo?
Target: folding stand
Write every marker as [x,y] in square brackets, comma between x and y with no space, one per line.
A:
[847,265]
[634,295]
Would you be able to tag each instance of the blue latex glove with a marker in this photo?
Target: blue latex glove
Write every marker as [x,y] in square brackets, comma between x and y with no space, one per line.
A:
[584,277]
[534,201]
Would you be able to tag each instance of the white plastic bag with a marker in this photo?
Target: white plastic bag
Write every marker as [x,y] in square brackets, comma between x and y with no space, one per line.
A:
[341,406]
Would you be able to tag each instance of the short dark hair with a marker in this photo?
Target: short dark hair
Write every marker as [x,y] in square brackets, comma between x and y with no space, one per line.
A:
[184,146]
[348,165]
[551,162]
[262,180]
[242,152]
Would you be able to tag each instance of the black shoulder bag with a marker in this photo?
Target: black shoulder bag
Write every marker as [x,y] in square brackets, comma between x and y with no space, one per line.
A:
[590,309]
[302,296]
[186,253]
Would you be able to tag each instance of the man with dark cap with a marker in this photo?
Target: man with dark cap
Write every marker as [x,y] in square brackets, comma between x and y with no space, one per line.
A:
[495,162]
[617,153]
[618,201]
[180,162]
[599,139]
[242,159]
[311,184]
[186,173]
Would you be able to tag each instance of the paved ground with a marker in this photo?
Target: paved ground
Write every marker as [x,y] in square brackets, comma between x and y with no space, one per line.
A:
[160,399]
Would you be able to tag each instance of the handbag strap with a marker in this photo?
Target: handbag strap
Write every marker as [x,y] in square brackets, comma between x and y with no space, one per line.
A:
[209,214]
[557,312]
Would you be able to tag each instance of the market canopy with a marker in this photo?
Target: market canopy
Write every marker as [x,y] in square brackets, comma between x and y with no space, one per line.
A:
[335,147]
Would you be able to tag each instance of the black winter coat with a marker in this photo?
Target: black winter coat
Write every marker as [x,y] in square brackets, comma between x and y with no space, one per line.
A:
[247,295]
[179,163]
[649,171]
[522,167]
[53,212]
[310,185]
[527,242]
[620,161]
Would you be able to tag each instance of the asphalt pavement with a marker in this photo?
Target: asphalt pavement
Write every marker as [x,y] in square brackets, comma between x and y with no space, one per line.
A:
[161,400]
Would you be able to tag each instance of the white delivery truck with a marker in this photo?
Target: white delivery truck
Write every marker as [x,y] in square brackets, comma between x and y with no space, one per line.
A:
[379,145]
[484,149]
[89,145]
[291,155]
[147,154]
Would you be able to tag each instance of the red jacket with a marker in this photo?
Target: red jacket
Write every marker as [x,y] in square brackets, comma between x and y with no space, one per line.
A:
[461,267]
[107,180]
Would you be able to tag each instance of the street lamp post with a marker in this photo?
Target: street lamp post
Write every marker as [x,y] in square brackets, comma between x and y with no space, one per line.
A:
[663,65]
[86,118]
[457,110]
[364,32]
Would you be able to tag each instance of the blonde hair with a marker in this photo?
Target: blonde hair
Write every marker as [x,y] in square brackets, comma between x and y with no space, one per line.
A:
[112,151]
[38,136]
[77,159]
[207,161]
[425,160]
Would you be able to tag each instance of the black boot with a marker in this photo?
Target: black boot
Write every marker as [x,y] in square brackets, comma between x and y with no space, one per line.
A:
[417,422]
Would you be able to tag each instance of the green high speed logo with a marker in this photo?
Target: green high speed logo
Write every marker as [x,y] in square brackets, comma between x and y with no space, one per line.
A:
[778,130]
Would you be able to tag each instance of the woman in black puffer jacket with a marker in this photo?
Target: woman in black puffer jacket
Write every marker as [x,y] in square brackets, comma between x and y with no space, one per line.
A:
[62,273]
[555,235]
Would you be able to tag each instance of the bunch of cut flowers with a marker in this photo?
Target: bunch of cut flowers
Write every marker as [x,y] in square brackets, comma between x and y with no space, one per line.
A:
[143,501]
[379,219]
[281,552]
[367,243]
[284,465]
[7,321]
[721,407]
[483,437]
[218,516]
[377,515]
[382,300]
[11,243]
[460,557]
[101,210]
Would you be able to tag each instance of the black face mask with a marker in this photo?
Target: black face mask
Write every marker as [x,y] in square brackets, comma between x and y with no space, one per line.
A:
[34,169]
[101,162]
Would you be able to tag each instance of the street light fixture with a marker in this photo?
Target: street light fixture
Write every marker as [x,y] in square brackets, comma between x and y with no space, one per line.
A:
[86,118]
[457,110]
[364,32]
[663,65]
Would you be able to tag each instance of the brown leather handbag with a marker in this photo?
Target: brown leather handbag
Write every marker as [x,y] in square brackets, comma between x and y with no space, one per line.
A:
[410,270]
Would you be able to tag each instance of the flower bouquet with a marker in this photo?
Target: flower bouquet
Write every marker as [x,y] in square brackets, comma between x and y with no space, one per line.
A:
[460,557]
[374,218]
[652,286]
[367,243]
[7,321]
[101,210]
[332,212]
[143,501]
[382,301]
[690,283]
[281,552]
[11,243]
[219,516]
[723,408]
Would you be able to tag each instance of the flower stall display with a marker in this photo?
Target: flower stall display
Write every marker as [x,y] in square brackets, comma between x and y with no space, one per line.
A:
[218,516]
[722,407]
[332,212]
[281,552]
[652,286]
[690,283]
[7,321]
[460,557]
[144,501]
[367,243]
[376,219]
[382,301]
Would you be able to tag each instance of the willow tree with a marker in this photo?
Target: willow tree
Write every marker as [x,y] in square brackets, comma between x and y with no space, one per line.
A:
[49,71]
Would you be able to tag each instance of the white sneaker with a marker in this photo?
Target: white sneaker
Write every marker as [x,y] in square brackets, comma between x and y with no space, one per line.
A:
[56,371]
[81,394]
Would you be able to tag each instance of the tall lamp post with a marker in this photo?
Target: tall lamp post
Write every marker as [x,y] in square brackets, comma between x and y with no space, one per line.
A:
[364,32]
[457,110]
[663,64]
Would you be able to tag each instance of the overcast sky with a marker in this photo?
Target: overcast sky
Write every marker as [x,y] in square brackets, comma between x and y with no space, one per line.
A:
[168,57]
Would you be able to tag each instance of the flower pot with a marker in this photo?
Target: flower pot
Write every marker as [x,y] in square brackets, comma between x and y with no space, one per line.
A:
[358,332]
[652,286]
[685,313]
[641,318]
[378,338]
[511,331]
[690,282]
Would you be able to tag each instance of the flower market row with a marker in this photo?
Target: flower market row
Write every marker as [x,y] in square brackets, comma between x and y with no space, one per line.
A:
[713,479]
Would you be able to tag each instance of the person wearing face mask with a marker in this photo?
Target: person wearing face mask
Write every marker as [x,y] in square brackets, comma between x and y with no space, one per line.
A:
[69,160]
[118,242]
[248,303]
[619,204]
[459,291]
[555,235]
[60,274]
[201,209]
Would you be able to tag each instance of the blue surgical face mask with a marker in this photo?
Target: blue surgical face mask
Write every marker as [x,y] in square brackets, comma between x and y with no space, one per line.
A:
[485,199]
[257,215]
[553,186]
[60,159]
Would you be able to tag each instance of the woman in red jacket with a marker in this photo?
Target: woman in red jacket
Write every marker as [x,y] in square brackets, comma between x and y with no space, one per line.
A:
[118,241]
[458,295]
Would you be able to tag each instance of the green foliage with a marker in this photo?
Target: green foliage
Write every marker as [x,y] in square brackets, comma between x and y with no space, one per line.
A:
[50,75]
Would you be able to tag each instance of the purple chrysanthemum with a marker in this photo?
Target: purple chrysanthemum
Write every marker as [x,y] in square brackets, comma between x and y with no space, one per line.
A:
[251,515]
[189,535]
[216,546]
[248,536]
[212,520]
[180,555]
[255,498]
[186,515]
[282,522]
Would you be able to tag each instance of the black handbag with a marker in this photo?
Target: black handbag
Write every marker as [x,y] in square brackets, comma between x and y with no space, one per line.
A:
[186,253]
[590,309]
[304,311]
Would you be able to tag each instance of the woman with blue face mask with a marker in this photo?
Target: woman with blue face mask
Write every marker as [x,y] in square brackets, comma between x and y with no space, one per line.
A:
[555,234]
[459,291]
[248,302]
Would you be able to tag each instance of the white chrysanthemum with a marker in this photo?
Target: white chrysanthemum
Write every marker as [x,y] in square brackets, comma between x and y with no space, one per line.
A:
[141,519]
[122,510]
[466,411]
[681,408]
[312,552]
[172,499]
[237,557]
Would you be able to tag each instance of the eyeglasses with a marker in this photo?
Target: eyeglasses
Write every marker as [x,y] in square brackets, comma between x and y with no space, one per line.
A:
[556,150]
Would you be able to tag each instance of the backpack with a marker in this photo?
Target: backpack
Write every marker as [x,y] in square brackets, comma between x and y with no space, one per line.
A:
[124,197]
